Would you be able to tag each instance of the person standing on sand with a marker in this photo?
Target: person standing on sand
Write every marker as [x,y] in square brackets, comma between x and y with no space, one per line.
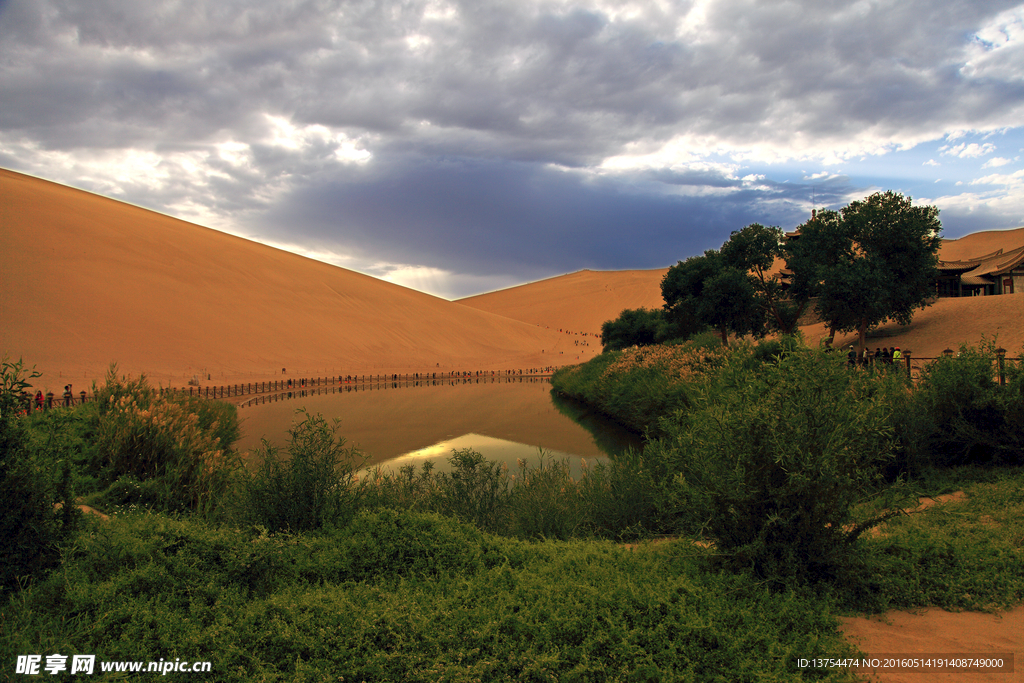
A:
[851,357]
[67,396]
[39,400]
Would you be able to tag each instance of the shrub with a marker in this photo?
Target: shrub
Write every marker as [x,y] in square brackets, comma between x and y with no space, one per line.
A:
[179,450]
[774,461]
[313,488]
[33,482]
[638,385]
[627,498]
[967,417]
[639,327]
[546,501]
[476,491]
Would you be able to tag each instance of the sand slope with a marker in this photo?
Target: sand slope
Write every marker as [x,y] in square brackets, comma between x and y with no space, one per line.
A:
[88,280]
[946,324]
[980,243]
[578,302]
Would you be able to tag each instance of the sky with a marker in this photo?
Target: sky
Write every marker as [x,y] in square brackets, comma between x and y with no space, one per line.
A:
[459,147]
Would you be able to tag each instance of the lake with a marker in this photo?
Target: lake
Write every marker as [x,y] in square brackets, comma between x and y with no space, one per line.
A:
[396,424]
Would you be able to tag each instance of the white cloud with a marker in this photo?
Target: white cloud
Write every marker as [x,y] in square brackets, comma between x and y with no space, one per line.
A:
[996,161]
[1012,179]
[996,50]
[968,151]
[931,162]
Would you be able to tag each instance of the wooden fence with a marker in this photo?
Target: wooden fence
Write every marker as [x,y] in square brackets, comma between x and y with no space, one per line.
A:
[913,365]
[385,383]
[269,389]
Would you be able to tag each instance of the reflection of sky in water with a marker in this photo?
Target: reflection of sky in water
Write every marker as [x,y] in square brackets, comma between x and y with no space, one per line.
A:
[499,450]
[419,421]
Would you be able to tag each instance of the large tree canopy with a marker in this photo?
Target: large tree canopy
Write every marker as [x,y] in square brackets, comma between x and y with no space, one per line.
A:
[705,291]
[875,261]
[757,251]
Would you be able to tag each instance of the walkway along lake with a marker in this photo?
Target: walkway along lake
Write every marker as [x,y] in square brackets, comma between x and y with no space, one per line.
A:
[402,423]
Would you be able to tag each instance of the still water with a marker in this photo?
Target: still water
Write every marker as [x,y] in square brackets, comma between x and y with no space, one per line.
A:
[400,424]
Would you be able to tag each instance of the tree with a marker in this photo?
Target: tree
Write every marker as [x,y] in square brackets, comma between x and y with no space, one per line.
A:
[756,250]
[704,291]
[873,262]
[637,327]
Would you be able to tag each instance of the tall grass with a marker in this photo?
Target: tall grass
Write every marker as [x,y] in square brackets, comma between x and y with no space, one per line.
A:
[638,385]
[132,446]
[36,493]
[310,489]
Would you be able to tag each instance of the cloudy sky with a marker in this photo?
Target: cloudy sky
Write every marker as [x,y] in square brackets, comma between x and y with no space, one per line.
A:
[464,146]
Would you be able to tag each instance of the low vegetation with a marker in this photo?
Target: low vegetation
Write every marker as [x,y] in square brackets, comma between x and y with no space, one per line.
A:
[779,469]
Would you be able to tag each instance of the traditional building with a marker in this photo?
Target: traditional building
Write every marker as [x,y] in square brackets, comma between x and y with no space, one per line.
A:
[999,272]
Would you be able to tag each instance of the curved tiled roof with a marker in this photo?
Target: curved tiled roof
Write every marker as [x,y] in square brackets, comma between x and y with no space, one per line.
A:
[961,266]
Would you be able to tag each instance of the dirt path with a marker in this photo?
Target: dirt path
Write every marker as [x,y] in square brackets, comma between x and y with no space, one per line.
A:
[935,631]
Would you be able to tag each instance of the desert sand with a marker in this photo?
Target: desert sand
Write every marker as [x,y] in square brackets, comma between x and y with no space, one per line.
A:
[946,324]
[980,243]
[579,302]
[936,631]
[88,280]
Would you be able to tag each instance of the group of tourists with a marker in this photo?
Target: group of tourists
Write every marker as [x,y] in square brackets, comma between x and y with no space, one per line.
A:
[881,356]
[41,402]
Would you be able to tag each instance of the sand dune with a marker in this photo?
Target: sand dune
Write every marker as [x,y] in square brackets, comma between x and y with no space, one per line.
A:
[88,280]
[981,243]
[579,302]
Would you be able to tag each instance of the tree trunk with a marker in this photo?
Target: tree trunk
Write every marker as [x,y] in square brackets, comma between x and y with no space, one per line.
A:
[725,336]
[862,332]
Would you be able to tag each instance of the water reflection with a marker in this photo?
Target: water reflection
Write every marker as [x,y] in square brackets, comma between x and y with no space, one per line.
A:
[499,450]
[502,420]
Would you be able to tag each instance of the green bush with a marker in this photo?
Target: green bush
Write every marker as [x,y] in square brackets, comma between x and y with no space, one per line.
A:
[626,498]
[177,449]
[547,502]
[638,385]
[476,491]
[960,414]
[774,461]
[35,489]
[639,327]
[314,487]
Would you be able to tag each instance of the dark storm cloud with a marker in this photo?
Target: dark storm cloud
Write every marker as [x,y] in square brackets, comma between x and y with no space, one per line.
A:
[255,113]
[483,215]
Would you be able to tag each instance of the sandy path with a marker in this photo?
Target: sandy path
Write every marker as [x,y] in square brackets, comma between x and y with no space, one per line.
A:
[936,631]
